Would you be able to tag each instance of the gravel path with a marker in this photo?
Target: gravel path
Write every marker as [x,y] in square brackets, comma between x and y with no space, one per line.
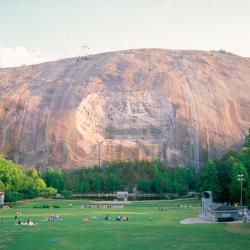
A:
[195,221]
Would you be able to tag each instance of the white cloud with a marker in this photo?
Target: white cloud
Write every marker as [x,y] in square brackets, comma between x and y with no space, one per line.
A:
[13,57]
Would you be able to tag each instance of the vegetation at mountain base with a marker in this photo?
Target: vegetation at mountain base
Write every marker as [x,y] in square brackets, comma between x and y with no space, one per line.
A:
[219,175]
[18,183]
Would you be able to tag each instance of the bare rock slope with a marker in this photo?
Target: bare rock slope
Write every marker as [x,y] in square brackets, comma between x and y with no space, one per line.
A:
[180,106]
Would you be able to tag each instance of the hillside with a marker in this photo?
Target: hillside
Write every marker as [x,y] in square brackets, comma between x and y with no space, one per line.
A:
[180,106]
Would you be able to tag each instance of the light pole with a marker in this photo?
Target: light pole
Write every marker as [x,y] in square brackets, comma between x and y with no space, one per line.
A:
[241,179]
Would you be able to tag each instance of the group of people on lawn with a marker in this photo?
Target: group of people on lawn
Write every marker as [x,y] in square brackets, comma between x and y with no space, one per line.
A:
[53,217]
[19,221]
[118,218]
[57,217]
[29,222]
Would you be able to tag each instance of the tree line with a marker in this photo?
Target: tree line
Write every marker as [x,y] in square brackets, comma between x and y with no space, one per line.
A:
[219,175]
[18,183]
[144,176]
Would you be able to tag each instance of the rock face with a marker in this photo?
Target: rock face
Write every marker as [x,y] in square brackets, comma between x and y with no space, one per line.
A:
[183,107]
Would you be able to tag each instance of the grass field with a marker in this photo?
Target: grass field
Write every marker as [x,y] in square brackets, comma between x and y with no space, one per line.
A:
[163,231]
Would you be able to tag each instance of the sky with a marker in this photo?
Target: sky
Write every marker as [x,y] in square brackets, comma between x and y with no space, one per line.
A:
[33,31]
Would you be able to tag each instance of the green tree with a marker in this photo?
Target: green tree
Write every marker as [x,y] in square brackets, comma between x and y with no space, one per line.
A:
[34,185]
[97,184]
[247,140]
[2,186]
[234,185]
[113,183]
[144,186]
[244,157]
[12,176]
[18,183]
[180,181]
[50,191]
[54,178]
[209,178]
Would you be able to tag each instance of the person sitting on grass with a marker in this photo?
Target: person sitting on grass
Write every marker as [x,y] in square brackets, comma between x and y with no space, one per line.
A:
[108,217]
[122,218]
[17,214]
[30,222]
[85,220]
[53,217]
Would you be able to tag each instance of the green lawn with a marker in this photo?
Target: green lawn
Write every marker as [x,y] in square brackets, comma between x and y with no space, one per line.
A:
[164,231]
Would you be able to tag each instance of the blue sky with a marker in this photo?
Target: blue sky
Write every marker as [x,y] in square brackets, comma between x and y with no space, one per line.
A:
[32,31]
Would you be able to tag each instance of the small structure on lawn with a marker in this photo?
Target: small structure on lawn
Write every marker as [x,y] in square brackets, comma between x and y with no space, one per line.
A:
[217,212]
[122,195]
[1,199]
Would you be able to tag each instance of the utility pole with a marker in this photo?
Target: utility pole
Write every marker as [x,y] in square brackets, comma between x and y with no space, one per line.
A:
[240,179]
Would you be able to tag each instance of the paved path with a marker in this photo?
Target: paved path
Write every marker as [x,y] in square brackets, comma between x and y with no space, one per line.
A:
[195,221]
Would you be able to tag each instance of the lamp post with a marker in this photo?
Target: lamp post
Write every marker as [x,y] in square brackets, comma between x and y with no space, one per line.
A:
[241,179]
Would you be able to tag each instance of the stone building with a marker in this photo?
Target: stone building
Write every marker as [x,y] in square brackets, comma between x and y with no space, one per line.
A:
[217,212]
[1,199]
[122,195]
